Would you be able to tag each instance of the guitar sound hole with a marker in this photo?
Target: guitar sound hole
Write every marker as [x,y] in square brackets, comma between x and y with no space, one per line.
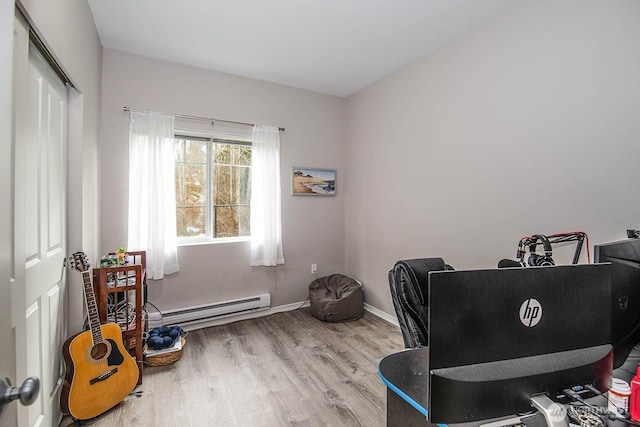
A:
[99,351]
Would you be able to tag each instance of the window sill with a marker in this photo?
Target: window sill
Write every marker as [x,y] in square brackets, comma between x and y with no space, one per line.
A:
[203,241]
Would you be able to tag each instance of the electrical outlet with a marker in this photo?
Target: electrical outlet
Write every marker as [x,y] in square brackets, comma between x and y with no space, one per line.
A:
[314,268]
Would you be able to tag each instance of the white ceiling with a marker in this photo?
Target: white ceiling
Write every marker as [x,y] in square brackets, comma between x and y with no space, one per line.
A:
[336,47]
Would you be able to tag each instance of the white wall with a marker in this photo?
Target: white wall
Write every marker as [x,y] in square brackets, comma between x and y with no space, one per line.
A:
[313,227]
[527,125]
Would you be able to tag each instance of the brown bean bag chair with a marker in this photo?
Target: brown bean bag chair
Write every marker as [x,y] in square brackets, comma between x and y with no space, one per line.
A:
[336,298]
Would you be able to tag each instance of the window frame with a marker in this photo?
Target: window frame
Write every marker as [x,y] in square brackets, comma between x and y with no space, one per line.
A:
[211,138]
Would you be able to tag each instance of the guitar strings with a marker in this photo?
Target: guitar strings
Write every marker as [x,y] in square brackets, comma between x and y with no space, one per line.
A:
[81,263]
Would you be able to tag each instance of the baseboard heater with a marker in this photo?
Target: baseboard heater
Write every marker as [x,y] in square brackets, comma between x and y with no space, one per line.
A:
[201,313]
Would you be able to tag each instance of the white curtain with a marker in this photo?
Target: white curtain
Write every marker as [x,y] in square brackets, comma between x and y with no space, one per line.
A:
[266,224]
[152,200]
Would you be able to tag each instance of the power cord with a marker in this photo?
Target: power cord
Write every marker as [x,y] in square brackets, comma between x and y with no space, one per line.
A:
[577,398]
[620,414]
[588,415]
[315,276]
[122,314]
[303,302]
[585,416]
[158,310]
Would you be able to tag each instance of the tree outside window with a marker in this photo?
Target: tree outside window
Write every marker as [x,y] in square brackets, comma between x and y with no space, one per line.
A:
[213,188]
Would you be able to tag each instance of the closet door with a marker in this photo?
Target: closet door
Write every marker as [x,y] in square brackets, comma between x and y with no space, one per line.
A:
[40,181]
[7,365]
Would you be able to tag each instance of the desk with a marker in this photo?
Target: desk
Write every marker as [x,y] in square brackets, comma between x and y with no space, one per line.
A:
[406,376]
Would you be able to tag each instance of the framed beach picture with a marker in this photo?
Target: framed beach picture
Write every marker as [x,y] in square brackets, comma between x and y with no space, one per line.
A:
[313,182]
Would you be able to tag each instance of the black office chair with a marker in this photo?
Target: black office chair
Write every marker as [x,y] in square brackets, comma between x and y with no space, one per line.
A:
[408,282]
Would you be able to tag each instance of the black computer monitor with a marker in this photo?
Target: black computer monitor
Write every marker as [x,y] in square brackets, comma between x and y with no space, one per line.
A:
[624,257]
[499,337]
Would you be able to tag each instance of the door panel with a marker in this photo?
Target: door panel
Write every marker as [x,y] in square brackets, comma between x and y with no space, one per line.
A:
[36,412]
[57,335]
[57,137]
[40,216]
[30,179]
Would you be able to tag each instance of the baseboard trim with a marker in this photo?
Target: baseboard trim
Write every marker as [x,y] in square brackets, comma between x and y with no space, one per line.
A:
[381,314]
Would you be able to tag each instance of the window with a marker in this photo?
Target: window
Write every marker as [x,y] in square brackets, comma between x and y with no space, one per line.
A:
[213,187]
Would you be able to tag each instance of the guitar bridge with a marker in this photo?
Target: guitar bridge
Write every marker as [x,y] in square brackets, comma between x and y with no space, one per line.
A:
[103,376]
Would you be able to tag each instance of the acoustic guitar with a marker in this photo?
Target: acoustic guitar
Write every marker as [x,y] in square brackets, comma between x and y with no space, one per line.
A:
[100,372]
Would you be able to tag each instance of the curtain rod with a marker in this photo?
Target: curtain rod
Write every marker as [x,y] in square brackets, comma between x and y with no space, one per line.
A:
[206,119]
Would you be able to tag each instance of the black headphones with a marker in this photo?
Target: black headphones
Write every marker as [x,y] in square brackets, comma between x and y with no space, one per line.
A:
[536,260]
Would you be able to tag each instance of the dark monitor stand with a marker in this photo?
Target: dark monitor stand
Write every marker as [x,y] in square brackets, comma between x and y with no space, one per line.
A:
[552,412]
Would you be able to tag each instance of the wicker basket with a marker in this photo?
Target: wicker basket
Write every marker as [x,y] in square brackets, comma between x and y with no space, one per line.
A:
[166,358]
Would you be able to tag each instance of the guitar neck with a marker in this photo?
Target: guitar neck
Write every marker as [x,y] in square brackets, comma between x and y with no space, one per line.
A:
[92,308]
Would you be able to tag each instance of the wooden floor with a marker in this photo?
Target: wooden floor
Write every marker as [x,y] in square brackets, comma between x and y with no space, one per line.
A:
[286,369]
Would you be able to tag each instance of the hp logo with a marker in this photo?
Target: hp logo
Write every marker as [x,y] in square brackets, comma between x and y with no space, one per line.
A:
[530,312]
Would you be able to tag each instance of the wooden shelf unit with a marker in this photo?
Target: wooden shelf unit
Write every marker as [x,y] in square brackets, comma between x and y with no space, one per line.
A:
[121,302]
